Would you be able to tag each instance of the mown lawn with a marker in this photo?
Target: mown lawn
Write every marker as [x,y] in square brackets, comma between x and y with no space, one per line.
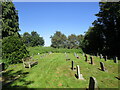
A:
[53,71]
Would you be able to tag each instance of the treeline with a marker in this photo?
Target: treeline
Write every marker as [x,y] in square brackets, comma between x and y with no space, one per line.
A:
[32,39]
[60,40]
[103,37]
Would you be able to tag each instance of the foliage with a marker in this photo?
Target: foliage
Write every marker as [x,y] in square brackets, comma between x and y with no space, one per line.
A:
[10,25]
[13,49]
[59,40]
[32,39]
[104,35]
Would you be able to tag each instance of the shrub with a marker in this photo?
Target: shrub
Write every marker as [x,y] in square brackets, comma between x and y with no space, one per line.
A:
[13,50]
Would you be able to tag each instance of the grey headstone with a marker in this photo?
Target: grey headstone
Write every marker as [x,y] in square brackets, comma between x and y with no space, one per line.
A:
[86,58]
[83,54]
[93,84]
[79,76]
[116,60]
[91,59]
[97,54]
[72,65]
[105,58]
[101,56]
[102,66]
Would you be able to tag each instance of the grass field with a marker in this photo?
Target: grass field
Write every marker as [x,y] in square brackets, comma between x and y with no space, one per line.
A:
[53,71]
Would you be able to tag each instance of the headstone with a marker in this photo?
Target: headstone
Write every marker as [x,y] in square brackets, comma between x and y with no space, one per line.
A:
[91,59]
[65,52]
[72,65]
[79,76]
[75,54]
[116,60]
[93,84]
[2,66]
[83,54]
[38,53]
[86,58]
[105,58]
[102,66]
[101,56]
[97,55]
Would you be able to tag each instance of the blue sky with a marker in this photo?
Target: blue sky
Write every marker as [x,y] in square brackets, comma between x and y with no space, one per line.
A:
[48,17]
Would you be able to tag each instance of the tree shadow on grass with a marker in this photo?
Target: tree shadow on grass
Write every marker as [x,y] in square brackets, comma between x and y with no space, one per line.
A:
[9,77]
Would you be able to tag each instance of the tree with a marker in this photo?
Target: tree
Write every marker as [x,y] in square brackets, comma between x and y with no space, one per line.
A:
[13,49]
[32,39]
[10,25]
[105,32]
[58,40]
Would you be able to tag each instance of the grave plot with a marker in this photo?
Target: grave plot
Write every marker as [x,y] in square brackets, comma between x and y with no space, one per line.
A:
[53,71]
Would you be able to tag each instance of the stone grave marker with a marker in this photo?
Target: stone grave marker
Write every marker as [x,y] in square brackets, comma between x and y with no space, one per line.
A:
[101,56]
[102,66]
[86,58]
[79,76]
[72,65]
[105,58]
[93,85]
[83,54]
[116,60]
[91,59]
[2,66]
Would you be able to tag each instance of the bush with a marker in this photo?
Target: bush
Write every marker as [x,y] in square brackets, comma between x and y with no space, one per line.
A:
[13,50]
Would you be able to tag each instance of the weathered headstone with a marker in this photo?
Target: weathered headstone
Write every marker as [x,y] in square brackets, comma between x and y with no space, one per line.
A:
[86,58]
[38,53]
[83,54]
[116,60]
[79,76]
[2,66]
[75,54]
[72,65]
[97,54]
[101,56]
[105,58]
[91,59]
[93,84]
[102,66]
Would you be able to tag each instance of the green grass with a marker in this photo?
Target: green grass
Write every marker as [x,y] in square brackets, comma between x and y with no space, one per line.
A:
[40,49]
[53,71]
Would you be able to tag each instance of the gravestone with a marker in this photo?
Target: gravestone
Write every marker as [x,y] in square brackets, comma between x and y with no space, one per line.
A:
[72,65]
[77,57]
[38,53]
[105,58]
[101,56]
[102,66]
[83,54]
[91,59]
[93,84]
[116,60]
[97,54]
[86,58]
[75,54]
[2,66]
[79,76]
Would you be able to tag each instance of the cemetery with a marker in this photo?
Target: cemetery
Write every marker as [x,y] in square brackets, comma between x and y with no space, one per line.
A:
[53,71]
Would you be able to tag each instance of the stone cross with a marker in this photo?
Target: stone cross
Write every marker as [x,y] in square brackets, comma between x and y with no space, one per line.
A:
[86,58]
[91,59]
[102,66]
[116,60]
[105,58]
[72,65]
[79,76]
[93,84]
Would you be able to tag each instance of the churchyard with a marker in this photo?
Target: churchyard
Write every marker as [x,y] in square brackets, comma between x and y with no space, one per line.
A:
[63,70]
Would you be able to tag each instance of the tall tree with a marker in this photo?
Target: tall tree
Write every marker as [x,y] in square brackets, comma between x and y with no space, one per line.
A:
[10,25]
[32,39]
[58,40]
